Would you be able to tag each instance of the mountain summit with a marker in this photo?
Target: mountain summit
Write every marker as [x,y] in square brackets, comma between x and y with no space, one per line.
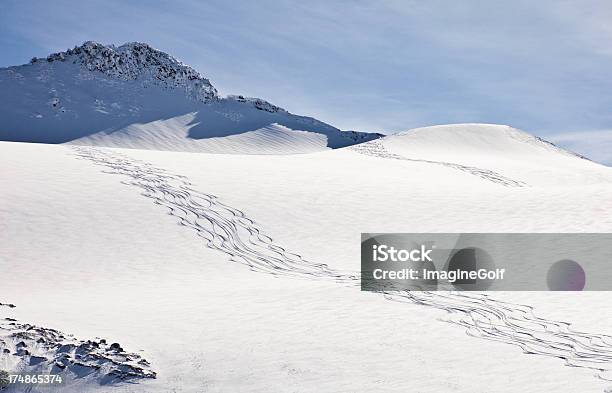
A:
[138,61]
[136,96]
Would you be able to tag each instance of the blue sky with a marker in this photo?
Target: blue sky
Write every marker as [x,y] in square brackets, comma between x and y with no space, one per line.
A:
[542,66]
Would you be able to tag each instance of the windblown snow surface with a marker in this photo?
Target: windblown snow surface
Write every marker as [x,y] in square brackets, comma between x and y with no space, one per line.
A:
[239,273]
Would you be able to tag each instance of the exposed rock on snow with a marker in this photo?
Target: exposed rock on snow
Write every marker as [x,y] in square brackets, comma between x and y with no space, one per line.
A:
[138,60]
[258,103]
[28,348]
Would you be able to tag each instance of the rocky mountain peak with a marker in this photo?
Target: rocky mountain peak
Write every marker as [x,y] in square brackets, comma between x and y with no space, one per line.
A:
[138,61]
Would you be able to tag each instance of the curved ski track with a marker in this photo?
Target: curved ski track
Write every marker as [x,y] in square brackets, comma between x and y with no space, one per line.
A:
[229,230]
[376,148]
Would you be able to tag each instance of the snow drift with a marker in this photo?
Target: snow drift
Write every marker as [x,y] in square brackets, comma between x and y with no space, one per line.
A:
[136,96]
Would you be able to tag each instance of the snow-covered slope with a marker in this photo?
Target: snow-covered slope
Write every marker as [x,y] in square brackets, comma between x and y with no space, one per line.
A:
[491,151]
[136,96]
[236,297]
[473,143]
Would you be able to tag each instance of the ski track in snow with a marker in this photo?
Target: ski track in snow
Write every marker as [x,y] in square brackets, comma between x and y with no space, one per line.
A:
[376,148]
[229,230]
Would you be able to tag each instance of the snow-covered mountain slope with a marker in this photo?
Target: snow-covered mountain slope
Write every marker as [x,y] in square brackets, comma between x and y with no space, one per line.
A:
[489,150]
[215,293]
[136,96]
[474,142]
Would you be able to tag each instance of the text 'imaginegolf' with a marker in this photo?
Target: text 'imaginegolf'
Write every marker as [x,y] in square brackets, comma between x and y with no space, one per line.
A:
[486,261]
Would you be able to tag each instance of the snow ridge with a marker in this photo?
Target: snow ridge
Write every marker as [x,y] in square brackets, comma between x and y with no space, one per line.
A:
[138,61]
[258,103]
